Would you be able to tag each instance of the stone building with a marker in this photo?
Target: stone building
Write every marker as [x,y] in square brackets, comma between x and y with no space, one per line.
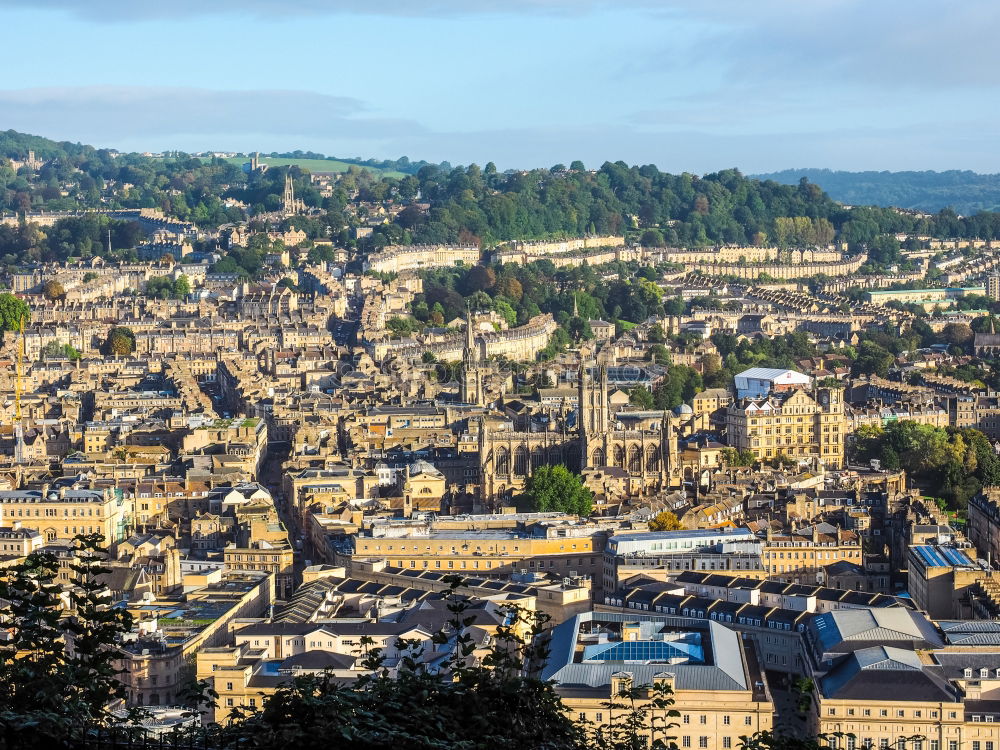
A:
[795,424]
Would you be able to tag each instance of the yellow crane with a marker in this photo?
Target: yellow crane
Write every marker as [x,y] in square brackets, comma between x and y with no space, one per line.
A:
[18,426]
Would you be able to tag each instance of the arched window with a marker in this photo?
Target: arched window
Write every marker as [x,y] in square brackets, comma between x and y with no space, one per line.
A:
[635,460]
[573,458]
[555,456]
[619,456]
[502,462]
[599,458]
[537,458]
[521,461]
[652,458]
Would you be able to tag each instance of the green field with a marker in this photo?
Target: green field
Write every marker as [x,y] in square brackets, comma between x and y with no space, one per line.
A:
[314,165]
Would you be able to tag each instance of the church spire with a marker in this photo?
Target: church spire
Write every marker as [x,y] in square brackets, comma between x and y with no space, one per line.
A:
[470,339]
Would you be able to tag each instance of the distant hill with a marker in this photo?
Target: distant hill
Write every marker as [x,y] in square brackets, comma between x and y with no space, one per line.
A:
[964,191]
[15,145]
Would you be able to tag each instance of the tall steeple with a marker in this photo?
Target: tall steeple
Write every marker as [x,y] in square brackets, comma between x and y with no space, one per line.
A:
[289,204]
[471,385]
[470,354]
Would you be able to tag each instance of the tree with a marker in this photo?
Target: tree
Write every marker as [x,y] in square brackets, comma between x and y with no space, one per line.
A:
[121,342]
[13,311]
[958,334]
[58,349]
[652,238]
[556,488]
[182,287]
[665,521]
[580,329]
[733,457]
[659,354]
[479,279]
[641,397]
[872,359]
[320,254]
[53,290]
[57,668]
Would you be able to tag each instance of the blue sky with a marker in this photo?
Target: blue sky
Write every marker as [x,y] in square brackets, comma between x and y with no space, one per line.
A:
[695,85]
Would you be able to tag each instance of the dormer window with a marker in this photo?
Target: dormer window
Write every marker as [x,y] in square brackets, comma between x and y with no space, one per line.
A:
[968,672]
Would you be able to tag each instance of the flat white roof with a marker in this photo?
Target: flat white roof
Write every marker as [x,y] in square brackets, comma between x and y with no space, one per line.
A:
[772,373]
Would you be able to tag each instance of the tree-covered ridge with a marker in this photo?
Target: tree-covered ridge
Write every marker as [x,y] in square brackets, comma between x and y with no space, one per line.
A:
[441,204]
[473,204]
[962,190]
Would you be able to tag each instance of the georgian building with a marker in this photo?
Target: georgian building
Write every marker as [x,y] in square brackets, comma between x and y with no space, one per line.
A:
[795,424]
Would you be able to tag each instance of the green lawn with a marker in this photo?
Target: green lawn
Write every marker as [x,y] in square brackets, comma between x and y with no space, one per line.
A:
[313,165]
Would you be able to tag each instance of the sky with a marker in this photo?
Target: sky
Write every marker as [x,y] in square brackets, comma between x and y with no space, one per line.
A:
[688,85]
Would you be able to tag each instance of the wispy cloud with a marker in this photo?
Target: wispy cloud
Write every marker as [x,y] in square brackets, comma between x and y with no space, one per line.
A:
[107,114]
[128,10]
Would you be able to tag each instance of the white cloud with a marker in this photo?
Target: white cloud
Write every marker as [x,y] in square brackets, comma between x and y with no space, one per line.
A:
[104,115]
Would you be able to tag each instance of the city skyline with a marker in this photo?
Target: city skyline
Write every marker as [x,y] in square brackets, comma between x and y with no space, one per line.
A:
[838,84]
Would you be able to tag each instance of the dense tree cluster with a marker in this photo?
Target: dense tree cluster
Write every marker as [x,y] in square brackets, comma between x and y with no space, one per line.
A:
[78,238]
[952,463]
[14,312]
[556,488]
[167,287]
[57,668]
[964,191]
[120,342]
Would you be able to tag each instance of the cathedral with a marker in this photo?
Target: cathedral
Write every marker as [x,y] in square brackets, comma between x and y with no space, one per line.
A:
[592,438]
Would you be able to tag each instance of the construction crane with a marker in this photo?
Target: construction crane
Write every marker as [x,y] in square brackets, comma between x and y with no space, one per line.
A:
[19,456]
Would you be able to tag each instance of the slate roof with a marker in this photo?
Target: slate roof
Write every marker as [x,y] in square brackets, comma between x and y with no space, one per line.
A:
[846,630]
[879,671]
[723,649]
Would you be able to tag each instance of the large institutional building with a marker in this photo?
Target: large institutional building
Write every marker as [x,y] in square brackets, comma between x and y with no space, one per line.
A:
[793,423]
[717,685]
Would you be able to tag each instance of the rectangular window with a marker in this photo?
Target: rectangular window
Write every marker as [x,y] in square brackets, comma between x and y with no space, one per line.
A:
[703,741]
[685,741]
[727,742]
